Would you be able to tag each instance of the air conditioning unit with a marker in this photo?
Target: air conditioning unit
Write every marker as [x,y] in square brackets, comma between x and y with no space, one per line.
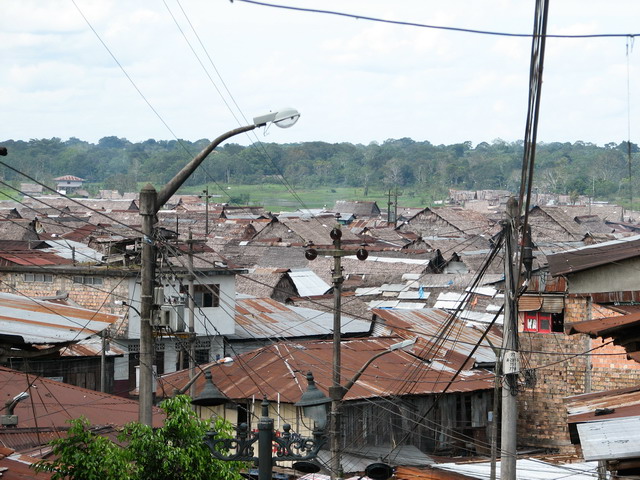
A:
[162,317]
[172,316]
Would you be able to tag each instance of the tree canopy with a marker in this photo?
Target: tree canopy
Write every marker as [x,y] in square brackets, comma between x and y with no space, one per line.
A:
[175,450]
[115,163]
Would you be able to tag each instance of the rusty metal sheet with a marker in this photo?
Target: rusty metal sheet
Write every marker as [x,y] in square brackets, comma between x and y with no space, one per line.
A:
[51,404]
[278,371]
[593,255]
[604,327]
[39,321]
[267,318]
[429,323]
[624,402]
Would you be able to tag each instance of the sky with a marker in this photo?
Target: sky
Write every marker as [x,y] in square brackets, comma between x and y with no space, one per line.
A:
[193,69]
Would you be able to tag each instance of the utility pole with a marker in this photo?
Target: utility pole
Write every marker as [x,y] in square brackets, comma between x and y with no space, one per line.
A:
[192,307]
[336,391]
[206,211]
[510,366]
[150,203]
[148,210]
[103,361]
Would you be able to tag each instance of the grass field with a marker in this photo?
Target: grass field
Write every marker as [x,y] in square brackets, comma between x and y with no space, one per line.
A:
[278,198]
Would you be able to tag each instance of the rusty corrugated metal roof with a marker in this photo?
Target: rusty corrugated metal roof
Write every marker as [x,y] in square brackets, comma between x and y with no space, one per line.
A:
[604,327]
[31,321]
[623,402]
[278,371]
[593,255]
[18,467]
[52,404]
[427,323]
[267,318]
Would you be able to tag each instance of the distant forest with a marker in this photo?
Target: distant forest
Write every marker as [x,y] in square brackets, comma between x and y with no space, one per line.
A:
[115,163]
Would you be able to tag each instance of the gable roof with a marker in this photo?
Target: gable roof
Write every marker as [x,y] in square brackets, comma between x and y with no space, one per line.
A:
[553,223]
[359,208]
[303,231]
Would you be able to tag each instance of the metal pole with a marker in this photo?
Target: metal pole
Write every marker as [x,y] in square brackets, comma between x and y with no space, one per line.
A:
[103,362]
[150,203]
[510,344]
[148,210]
[265,440]
[206,211]
[336,392]
[192,329]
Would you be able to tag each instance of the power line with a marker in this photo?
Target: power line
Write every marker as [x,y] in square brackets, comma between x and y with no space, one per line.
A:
[434,27]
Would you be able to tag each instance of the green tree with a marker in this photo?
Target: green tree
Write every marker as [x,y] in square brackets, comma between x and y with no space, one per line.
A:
[175,450]
[83,455]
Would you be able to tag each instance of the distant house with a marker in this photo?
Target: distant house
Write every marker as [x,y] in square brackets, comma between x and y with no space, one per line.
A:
[357,208]
[448,222]
[68,184]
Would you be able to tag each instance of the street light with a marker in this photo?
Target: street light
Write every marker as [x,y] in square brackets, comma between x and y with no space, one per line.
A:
[287,447]
[150,203]
[377,471]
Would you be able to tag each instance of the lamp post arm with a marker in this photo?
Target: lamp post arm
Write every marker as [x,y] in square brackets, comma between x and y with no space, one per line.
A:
[176,182]
[347,386]
[184,389]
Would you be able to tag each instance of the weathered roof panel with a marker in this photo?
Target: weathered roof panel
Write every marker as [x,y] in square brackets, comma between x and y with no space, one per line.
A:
[278,371]
[39,321]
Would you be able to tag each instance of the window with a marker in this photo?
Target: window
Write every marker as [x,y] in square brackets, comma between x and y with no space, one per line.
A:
[543,322]
[207,295]
[38,277]
[86,280]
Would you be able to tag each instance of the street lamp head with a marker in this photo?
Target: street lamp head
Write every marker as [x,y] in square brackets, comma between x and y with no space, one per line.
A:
[283,118]
[314,403]
[210,395]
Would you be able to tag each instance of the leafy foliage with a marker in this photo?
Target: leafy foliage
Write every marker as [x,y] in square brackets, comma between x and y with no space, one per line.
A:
[175,450]
[85,455]
[564,168]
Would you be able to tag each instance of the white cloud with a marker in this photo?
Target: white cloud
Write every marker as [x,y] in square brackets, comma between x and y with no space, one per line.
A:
[353,80]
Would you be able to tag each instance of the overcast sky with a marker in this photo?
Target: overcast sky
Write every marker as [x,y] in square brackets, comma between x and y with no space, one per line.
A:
[353,80]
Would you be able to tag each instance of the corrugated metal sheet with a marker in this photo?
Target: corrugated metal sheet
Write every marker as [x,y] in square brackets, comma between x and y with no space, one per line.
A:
[308,283]
[17,467]
[37,321]
[527,469]
[54,403]
[619,403]
[279,370]
[544,303]
[267,318]
[610,439]
[593,255]
[428,323]
[604,327]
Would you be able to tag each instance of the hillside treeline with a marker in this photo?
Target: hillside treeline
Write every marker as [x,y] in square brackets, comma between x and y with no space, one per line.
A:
[115,163]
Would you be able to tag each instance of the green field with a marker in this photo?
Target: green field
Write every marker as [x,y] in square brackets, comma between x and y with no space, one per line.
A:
[278,198]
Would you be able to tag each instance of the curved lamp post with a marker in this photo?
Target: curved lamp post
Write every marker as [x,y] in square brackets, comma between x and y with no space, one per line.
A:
[150,203]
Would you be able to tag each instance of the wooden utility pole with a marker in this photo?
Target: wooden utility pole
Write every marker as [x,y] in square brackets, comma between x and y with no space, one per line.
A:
[337,391]
[510,365]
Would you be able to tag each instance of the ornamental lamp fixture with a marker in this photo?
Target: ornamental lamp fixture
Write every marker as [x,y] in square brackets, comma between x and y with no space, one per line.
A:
[314,404]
